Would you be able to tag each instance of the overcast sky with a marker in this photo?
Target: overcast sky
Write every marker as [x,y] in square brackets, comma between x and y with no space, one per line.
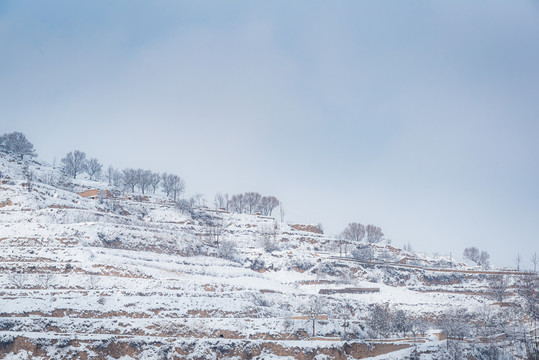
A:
[420,117]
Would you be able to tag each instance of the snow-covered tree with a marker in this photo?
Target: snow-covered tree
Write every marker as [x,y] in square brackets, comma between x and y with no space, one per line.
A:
[534,259]
[228,250]
[268,238]
[314,309]
[518,260]
[46,280]
[155,180]
[130,179]
[528,289]
[498,287]
[198,200]
[18,279]
[219,201]
[455,323]
[354,232]
[400,322]
[173,185]
[74,163]
[252,199]
[214,228]
[238,203]
[417,326]
[481,258]
[378,320]
[144,180]
[114,177]
[374,234]
[362,252]
[343,315]
[93,168]
[17,144]
[471,253]
[267,204]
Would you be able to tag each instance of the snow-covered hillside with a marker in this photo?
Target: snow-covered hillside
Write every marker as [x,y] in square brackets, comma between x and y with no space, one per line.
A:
[135,277]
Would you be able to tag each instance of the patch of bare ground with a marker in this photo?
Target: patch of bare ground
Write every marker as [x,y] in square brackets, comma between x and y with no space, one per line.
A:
[177,349]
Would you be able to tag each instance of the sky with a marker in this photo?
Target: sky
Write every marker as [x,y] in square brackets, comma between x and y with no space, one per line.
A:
[420,117]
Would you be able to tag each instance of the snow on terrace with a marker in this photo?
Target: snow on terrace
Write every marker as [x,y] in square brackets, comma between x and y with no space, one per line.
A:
[128,274]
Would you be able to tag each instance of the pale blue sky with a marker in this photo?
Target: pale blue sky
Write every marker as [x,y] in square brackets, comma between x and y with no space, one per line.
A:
[420,117]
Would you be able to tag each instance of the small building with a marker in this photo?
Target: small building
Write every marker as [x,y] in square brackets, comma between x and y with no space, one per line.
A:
[95,193]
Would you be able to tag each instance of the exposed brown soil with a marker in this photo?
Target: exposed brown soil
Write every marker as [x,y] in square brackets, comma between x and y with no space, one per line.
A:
[243,349]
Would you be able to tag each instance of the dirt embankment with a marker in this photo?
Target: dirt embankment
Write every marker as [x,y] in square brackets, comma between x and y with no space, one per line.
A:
[178,349]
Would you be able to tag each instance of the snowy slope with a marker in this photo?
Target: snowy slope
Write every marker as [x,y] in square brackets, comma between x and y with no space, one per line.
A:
[136,278]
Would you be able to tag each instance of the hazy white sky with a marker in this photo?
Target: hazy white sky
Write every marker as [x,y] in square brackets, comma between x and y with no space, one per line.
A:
[420,117]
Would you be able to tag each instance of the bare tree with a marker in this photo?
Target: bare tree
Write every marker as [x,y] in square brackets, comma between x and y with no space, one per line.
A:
[114,177]
[374,234]
[198,200]
[267,204]
[178,187]
[528,289]
[19,280]
[219,201]
[314,311]
[155,180]
[227,202]
[92,281]
[228,250]
[471,253]
[344,317]
[354,232]
[17,144]
[408,247]
[93,168]
[29,176]
[342,244]
[268,238]
[417,326]
[518,260]
[534,261]
[130,179]
[498,287]
[400,322]
[110,175]
[46,280]
[455,323]
[479,257]
[237,203]
[214,229]
[252,199]
[74,163]
[166,184]
[484,259]
[173,185]
[378,320]
[144,180]
[363,252]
